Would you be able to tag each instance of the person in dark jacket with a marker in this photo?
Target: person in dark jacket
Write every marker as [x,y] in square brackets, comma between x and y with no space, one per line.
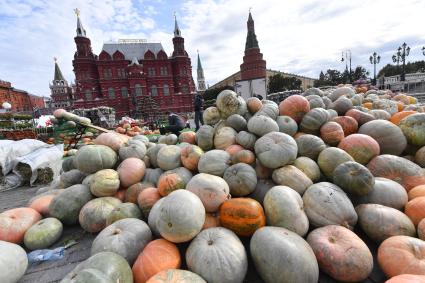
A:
[176,123]
[199,107]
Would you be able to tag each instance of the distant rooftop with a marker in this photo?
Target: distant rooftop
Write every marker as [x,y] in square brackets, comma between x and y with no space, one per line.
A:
[132,48]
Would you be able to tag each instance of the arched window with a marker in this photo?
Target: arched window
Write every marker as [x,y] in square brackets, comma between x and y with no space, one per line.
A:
[166,90]
[88,94]
[138,89]
[154,90]
[124,92]
[111,92]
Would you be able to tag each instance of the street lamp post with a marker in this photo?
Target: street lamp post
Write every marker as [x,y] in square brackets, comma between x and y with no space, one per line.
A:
[374,59]
[346,58]
[402,53]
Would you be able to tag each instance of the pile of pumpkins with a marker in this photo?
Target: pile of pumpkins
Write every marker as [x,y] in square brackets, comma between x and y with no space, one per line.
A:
[127,129]
[294,179]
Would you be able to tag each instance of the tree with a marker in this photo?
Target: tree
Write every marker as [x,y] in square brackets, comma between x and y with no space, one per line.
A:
[359,73]
[393,70]
[279,83]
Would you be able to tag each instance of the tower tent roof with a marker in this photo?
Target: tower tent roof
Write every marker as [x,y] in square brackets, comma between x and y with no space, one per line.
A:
[199,63]
[58,73]
[132,50]
[251,37]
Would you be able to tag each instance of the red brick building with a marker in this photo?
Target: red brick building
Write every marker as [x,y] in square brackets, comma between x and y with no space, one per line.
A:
[126,71]
[20,100]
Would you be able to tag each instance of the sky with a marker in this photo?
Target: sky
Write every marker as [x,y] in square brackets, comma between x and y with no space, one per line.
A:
[296,36]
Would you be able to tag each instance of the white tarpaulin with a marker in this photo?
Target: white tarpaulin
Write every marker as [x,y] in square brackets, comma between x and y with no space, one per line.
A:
[42,158]
[11,150]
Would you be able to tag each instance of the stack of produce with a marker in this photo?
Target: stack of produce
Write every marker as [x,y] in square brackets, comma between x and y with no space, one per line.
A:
[128,129]
[65,124]
[296,179]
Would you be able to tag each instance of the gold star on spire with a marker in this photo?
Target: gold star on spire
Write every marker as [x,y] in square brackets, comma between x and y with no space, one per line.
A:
[55,59]
[77,12]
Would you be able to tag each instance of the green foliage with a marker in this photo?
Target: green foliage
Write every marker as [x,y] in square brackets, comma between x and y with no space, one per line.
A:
[335,77]
[279,83]
[393,70]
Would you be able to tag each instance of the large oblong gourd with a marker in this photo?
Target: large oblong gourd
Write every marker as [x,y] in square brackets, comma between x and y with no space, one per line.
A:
[292,177]
[385,192]
[214,162]
[101,267]
[276,149]
[399,169]
[281,255]
[353,178]
[326,204]
[13,262]
[284,208]
[223,251]
[43,234]
[126,237]
[211,190]
[67,205]
[389,137]
[92,158]
[181,216]
[261,125]
[341,253]
[380,222]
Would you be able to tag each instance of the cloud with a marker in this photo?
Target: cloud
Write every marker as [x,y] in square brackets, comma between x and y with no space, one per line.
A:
[301,37]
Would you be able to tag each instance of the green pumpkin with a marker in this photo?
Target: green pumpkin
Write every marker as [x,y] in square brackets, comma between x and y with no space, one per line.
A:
[105,182]
[126,237]
[43,234]
[71,177]
[67,205]
[110,267]
[122,211]
[92,158]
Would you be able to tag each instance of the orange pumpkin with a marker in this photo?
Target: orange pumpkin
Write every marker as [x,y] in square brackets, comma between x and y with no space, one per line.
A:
[189,137]
[367,105]
[421,230]
[415,209]
[349,124]
[397,117]
[244,156]
[157,256]
[233,149]
[359,116]
[407,278]
[169,182]
[418,191]
[147,198]
[120,194]
[134,190]
[331,133]
[190,156]
[402,254]
[253,104]
[131,171]
[242,215]
[400,106]
[41,204]
[361,147]
[295,106]
[211,220]
[15,222]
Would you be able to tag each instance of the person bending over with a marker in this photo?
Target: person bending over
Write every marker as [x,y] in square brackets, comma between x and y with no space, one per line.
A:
[176,123]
